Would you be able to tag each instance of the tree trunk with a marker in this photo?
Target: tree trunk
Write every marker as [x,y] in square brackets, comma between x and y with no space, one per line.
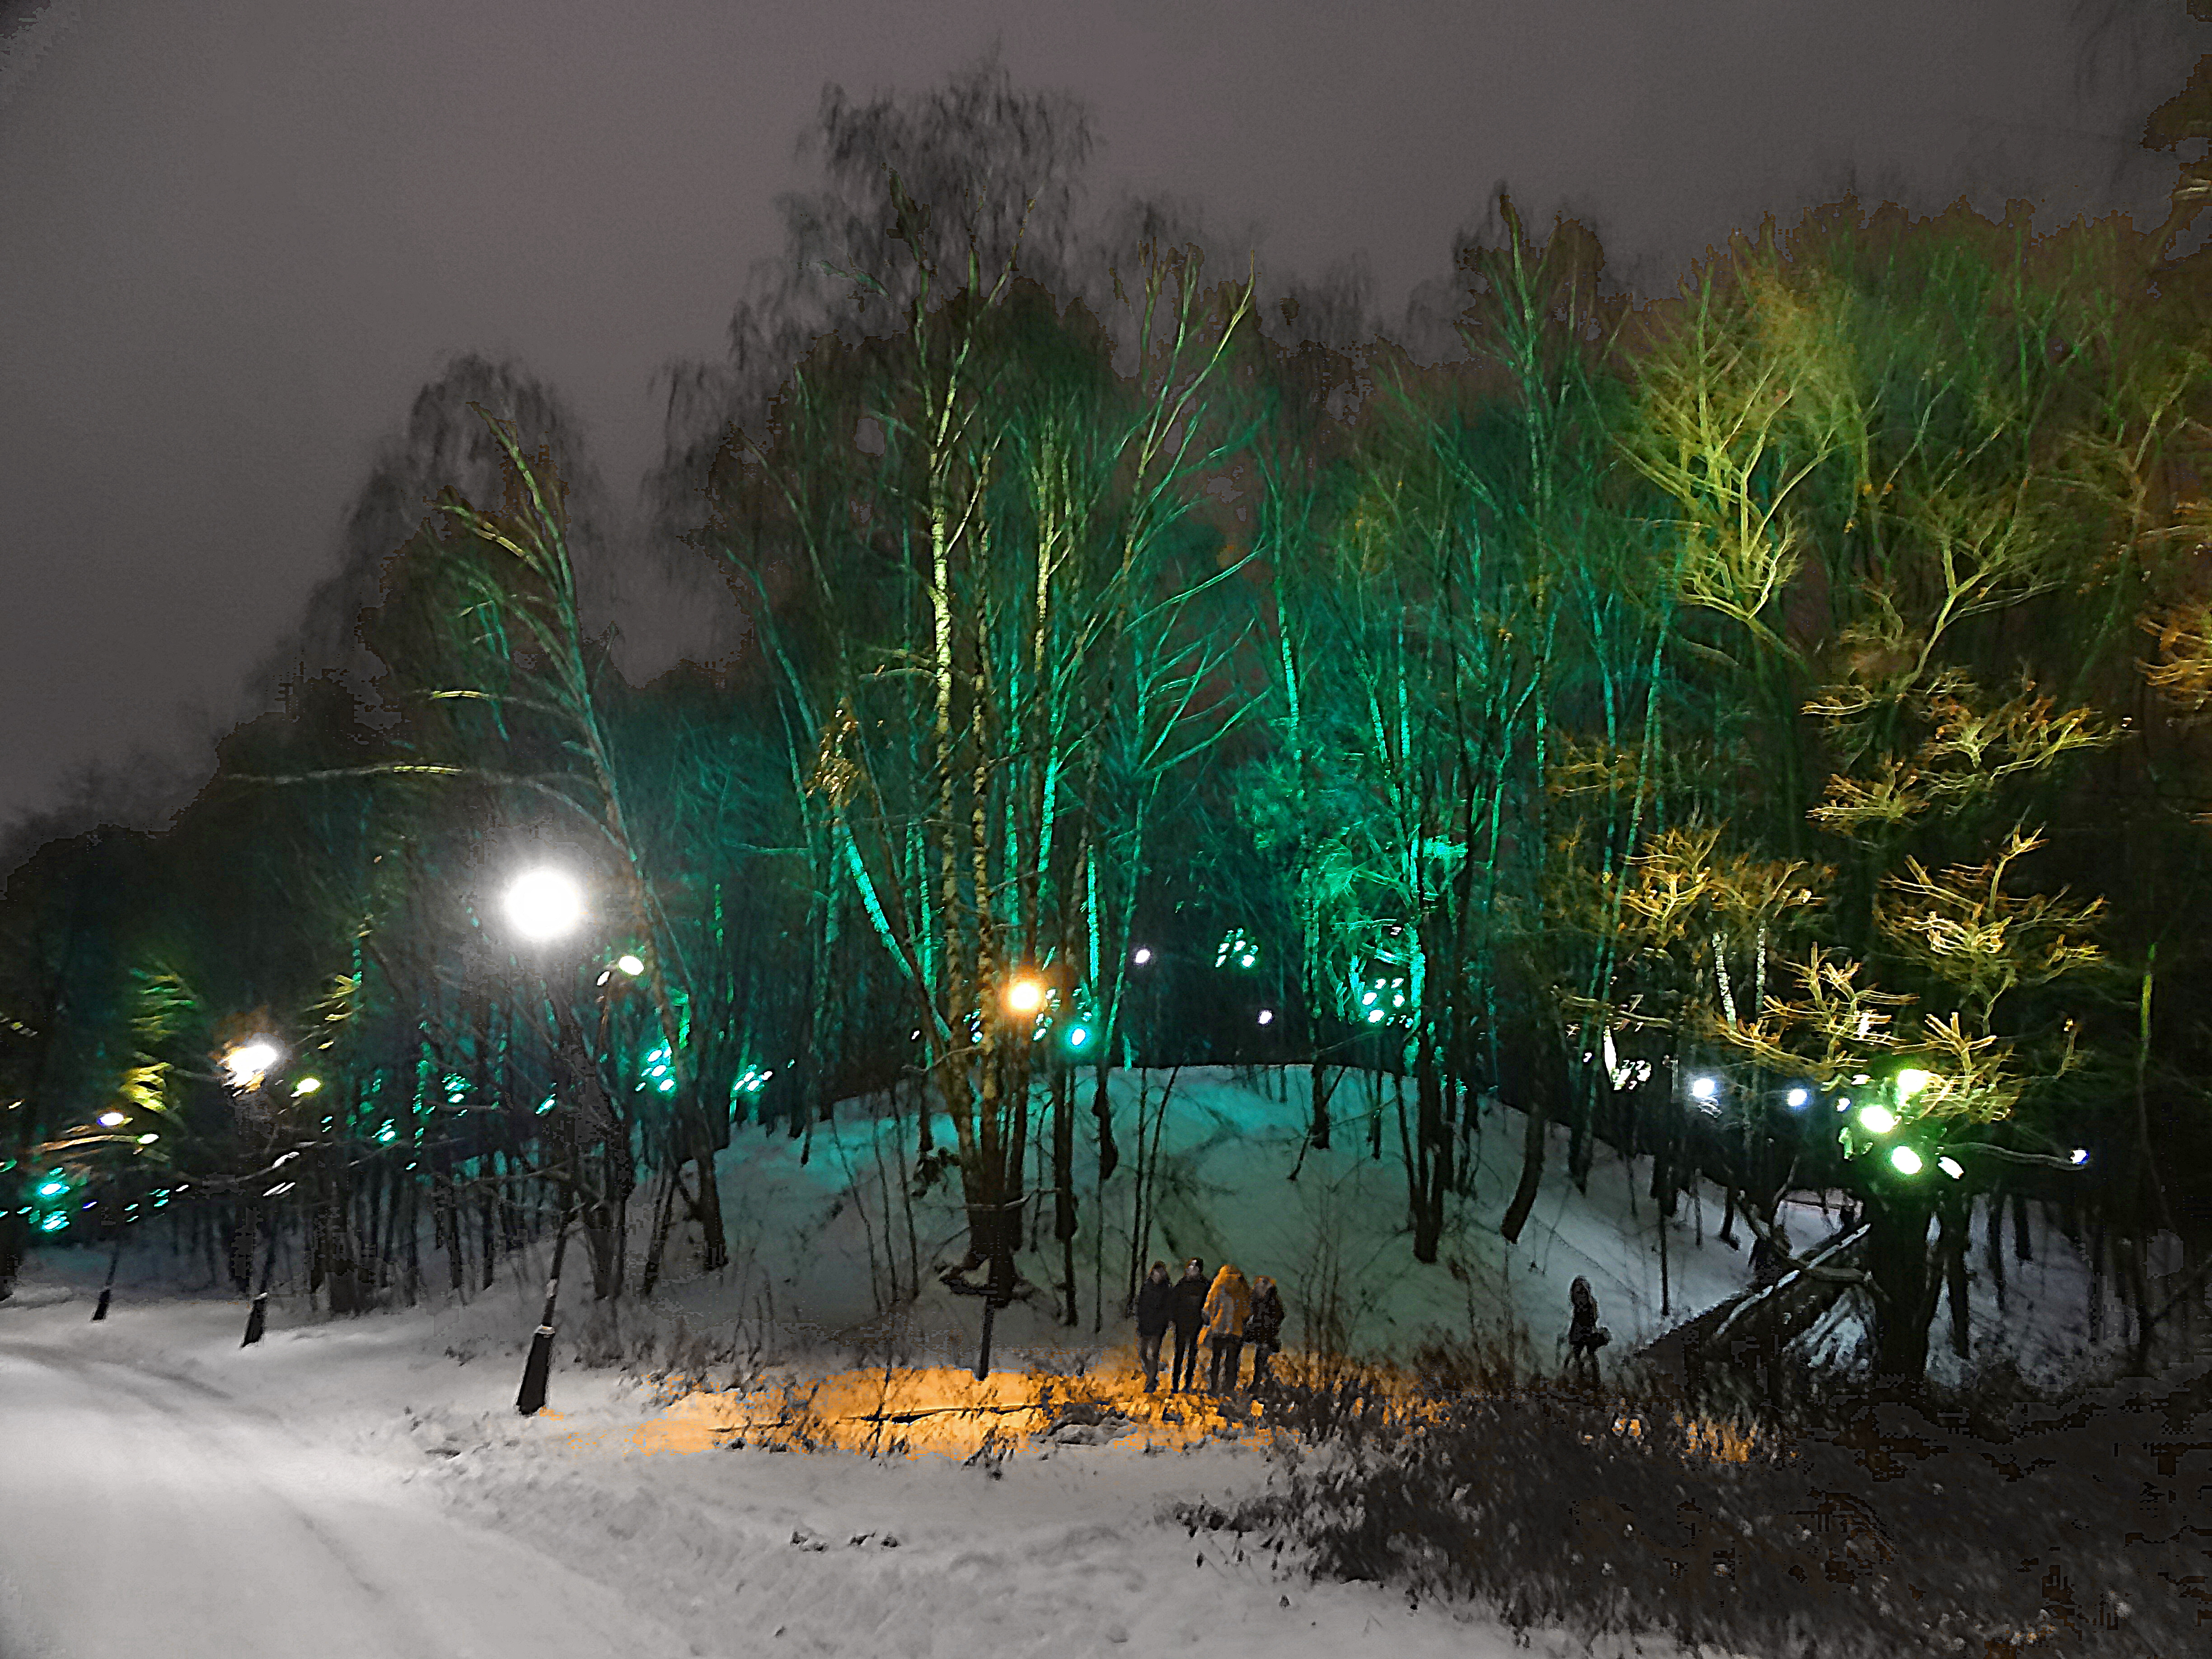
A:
[1102,1114]
[2097,1282]
[1532,1175]
[1993,1244]
[1063,1180]
[1897,1256]
[1957,1219]
[1317,1075]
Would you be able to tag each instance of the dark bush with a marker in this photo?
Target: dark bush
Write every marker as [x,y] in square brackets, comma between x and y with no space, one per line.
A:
[1878,1525]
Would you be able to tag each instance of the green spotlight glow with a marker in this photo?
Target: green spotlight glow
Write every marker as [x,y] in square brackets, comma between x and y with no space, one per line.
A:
[1911,1081]
[1877,1120]
[1905,1160]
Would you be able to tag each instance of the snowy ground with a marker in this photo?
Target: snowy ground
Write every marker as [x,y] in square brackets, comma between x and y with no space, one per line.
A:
[362,1486]
[348,1489]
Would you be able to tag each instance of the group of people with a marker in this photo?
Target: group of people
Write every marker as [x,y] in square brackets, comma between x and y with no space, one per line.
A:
[1229,1312]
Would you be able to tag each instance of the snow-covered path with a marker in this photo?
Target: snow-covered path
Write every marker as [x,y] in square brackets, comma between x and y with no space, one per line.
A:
[143,1510]
[364,1488]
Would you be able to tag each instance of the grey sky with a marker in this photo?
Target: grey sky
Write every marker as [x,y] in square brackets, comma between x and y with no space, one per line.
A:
[237,236]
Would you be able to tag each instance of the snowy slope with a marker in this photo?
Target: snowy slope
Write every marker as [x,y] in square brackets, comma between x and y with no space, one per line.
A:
[805,1233]
[816,1226]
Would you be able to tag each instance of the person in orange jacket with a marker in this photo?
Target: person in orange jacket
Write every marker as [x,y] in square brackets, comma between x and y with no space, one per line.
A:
[1227,1303]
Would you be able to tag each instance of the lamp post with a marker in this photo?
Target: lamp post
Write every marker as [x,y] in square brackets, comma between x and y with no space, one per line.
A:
[246,1064]
[545,906]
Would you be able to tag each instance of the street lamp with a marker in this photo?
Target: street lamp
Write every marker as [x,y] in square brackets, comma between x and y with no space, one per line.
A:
[249,1061]
[544,905]
[1024,995]
[246,1064]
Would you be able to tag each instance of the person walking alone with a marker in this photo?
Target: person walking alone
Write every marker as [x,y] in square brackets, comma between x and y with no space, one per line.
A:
[1226,1305]
[1263,1327]
[1188,1305]
[1585,1336]
[1154,1313]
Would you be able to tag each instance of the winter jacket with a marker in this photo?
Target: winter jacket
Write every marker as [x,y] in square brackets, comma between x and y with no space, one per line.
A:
[1189,1304]
[1227,1303]
[1585,1332]
[1264,1324]
[1155,1306]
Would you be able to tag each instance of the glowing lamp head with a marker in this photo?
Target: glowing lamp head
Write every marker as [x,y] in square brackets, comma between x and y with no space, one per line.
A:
[545,904]
[1142,955]
[1905,1160]
[1911,1081]
[1266,1017]
[631,964]
[2080,1157]
[247,1062]
[1950,1167]
[307,1085]
[1078,1037]
[1025,995]
[110,1120]
[1705,1088]
[1877,1120]
[1799,1098]
[148,1140]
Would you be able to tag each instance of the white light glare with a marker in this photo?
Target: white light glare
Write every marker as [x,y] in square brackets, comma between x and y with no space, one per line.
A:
[1142,955]
[1949,1166]
[110,1120]
[1266,1017]
[543,904]
[629,965]
[1705,1088]
[1800,1097]
[2081,1155]
[1878,1119]
[247,1062]
[307,1086]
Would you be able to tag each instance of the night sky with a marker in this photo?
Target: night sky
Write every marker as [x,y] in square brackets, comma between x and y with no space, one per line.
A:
[237,236]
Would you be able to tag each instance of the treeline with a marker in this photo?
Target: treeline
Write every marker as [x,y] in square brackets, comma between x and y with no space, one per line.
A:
[1753,729]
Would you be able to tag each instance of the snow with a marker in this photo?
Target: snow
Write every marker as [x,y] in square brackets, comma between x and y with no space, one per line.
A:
[363,1487]
[346,1489]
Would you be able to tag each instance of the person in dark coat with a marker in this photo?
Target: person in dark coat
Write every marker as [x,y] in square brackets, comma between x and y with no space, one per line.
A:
[1585,1336]
[1188,1305]
[1263,1327]
[1154,1313]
